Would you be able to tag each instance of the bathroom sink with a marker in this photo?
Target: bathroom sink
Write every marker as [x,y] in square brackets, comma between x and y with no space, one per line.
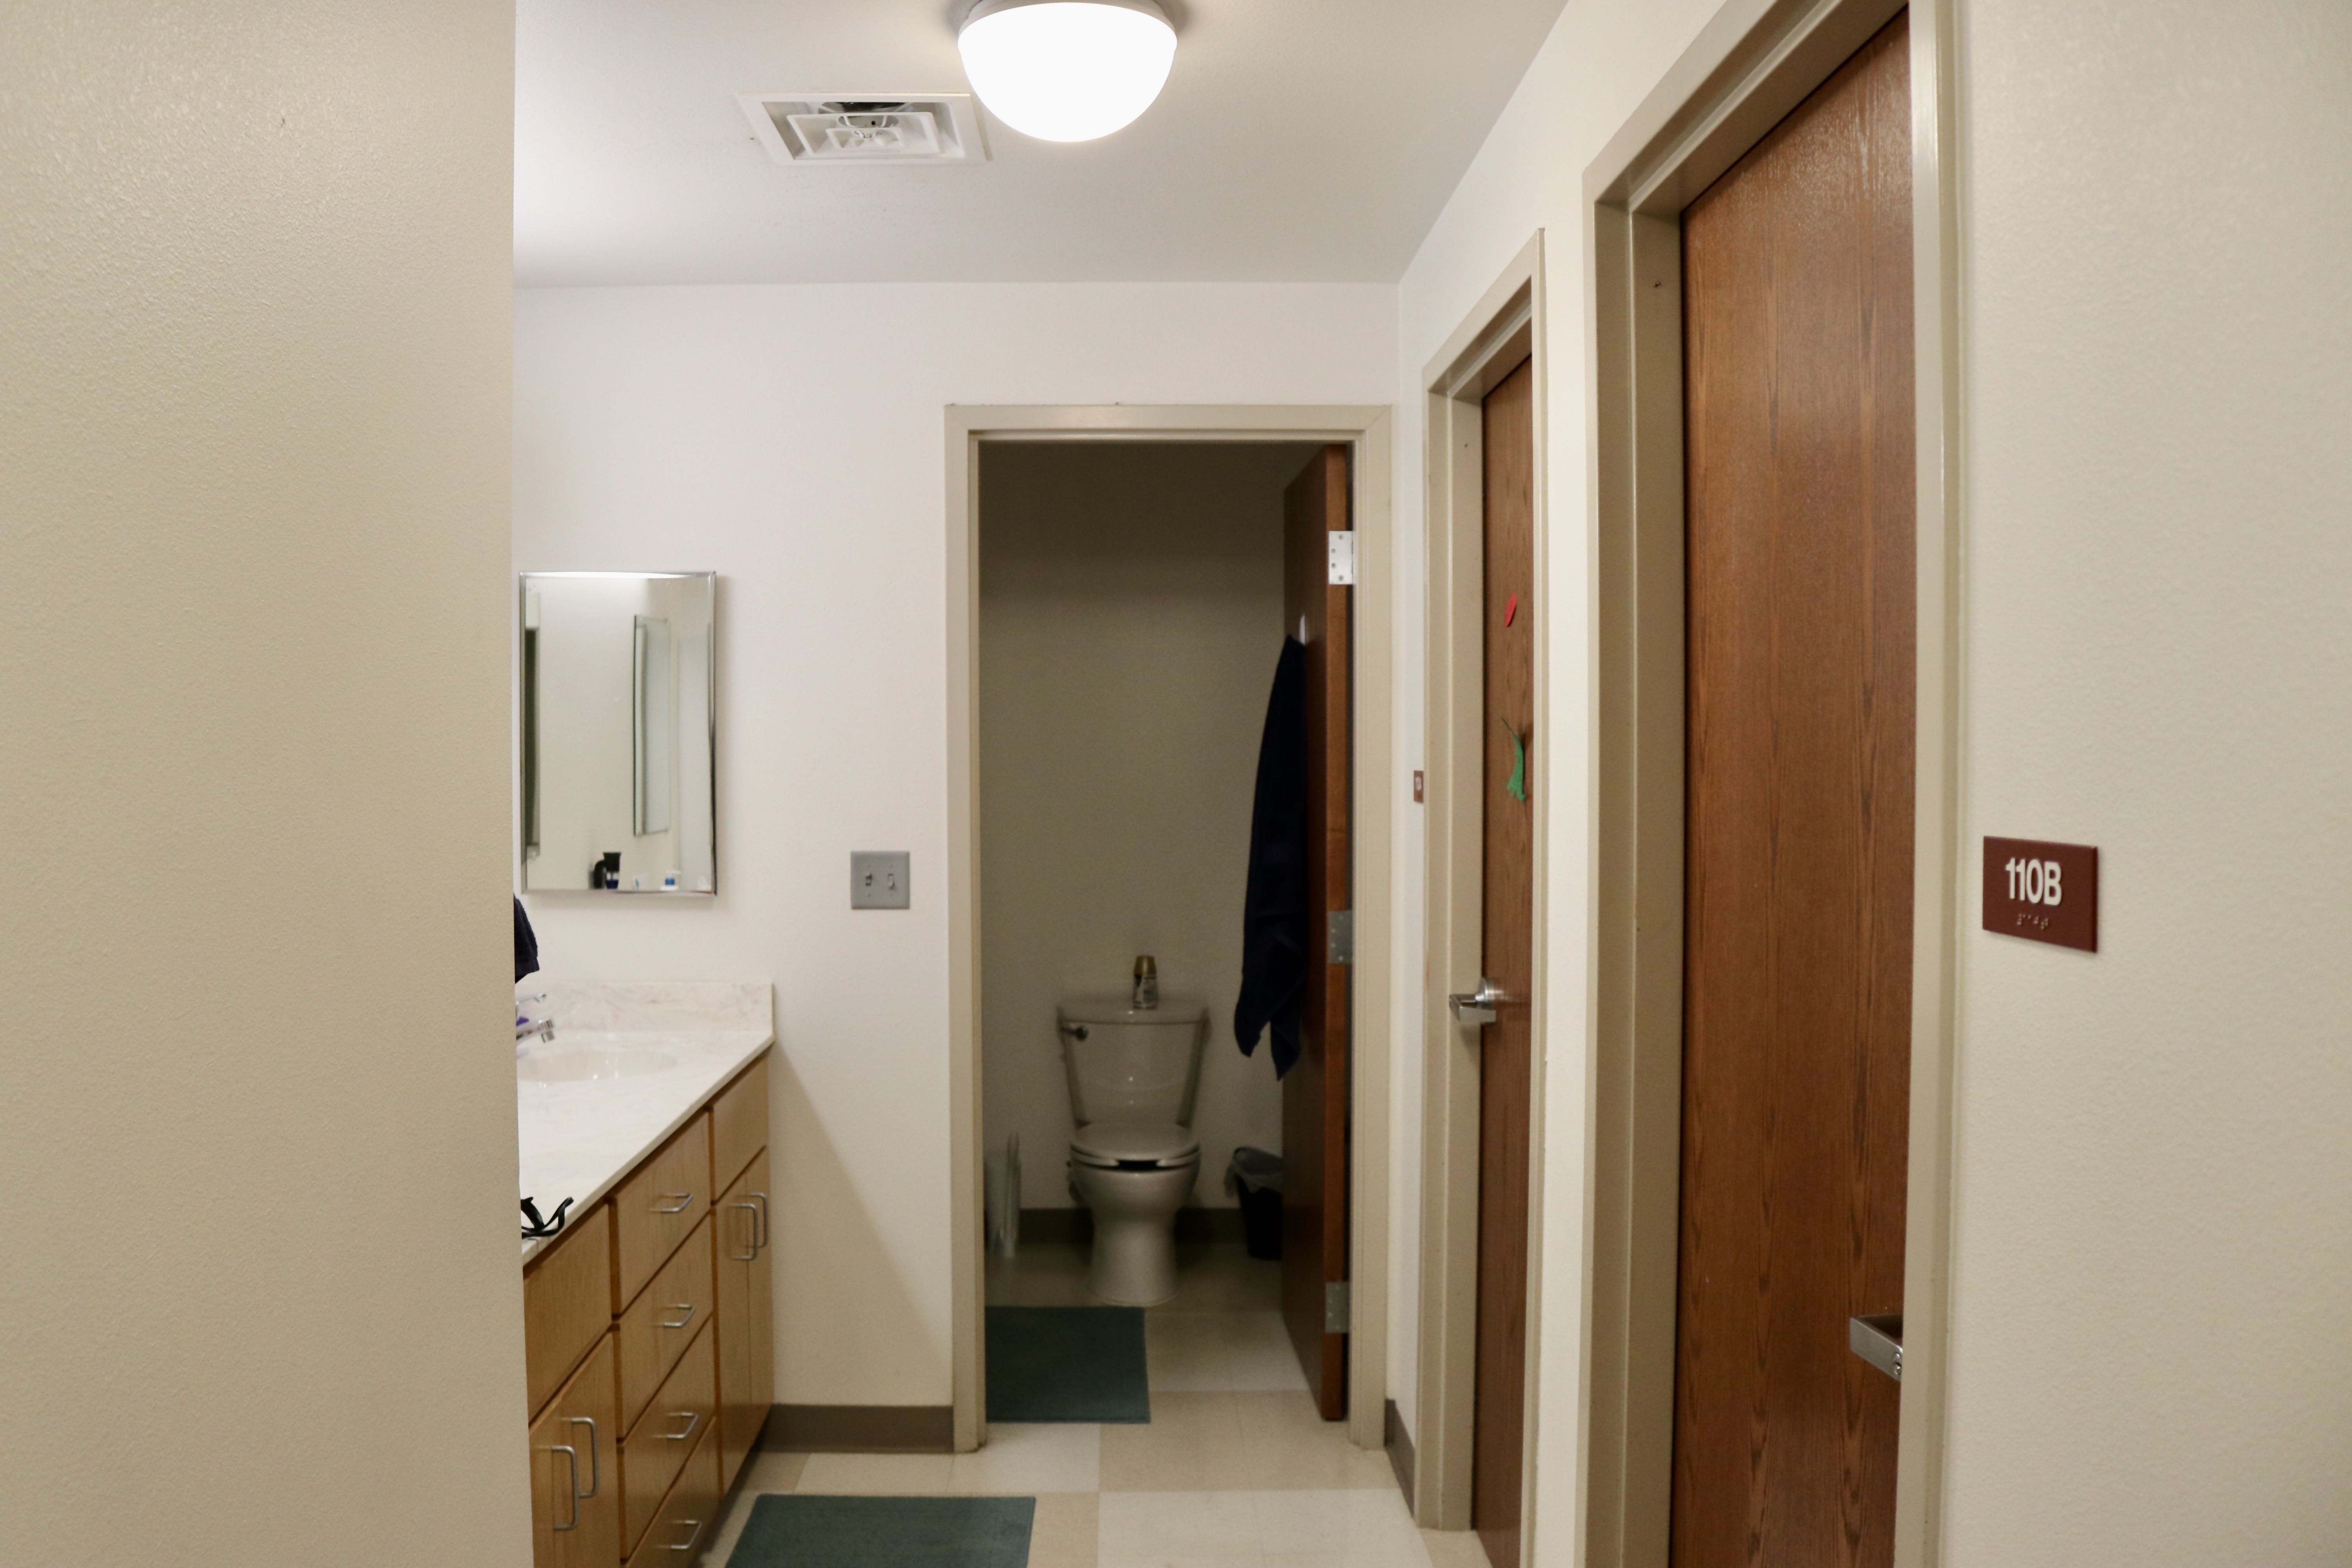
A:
[591,1064]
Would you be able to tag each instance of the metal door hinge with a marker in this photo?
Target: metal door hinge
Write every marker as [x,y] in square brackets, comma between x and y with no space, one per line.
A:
[1341,940]
[1335,1305]
[1343,557]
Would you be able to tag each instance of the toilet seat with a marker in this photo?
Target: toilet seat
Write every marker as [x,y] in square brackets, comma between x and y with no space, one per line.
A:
[1135,1145]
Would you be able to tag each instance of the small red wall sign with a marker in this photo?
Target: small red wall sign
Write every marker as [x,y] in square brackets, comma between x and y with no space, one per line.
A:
[2042,892]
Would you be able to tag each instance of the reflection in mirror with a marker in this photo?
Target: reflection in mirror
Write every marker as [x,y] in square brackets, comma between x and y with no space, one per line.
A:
[618,718]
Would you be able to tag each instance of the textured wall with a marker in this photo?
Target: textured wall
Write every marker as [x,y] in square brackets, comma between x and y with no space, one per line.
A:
[257,1135]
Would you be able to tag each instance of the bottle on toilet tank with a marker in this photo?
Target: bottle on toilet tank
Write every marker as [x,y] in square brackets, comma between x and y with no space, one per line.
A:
[1146,984]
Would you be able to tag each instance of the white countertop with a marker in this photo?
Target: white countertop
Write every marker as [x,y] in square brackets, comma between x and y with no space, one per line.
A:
[578,1139]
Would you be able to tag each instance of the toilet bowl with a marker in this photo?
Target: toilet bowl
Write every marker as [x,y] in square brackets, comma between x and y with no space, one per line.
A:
[1134,1159]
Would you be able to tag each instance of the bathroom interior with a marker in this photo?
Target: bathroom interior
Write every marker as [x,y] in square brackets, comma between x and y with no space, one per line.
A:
[1129,622]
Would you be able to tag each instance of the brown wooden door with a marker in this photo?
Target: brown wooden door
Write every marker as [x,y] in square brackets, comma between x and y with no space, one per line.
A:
[1314,1090]
[1507,958]
[1796,1090]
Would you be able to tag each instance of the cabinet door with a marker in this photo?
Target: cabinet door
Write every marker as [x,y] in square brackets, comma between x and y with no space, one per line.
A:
[576,1473]
[747,1318]
[738,1124]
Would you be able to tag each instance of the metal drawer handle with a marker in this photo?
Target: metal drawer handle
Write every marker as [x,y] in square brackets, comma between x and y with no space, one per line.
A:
[595,1465]
[693,1420]
[685,1202]
[1478,1006]
[685,1307]
[734,1257]
[1878,1339]
[572,1454]
[690,1539]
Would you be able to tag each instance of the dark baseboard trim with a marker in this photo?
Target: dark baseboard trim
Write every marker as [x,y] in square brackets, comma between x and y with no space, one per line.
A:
[860,1429]
[1076,1226]
[1399,1443]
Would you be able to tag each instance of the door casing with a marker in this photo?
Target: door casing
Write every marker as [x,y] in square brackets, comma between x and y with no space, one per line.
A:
[1504,329]
[1366,428]
[1753,62]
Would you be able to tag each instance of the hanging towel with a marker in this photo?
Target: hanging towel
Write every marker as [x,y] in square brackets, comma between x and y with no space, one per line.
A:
[1274,948]
[526,944]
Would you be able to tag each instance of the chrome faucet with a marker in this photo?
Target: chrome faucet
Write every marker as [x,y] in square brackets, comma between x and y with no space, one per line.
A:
[526,1025]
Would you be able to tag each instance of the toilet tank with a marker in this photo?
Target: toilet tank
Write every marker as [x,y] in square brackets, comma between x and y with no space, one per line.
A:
[1129,1065]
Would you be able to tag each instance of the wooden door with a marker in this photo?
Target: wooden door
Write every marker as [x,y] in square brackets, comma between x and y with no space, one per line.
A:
[1506,948]
[1314,1090]
[576,1479]
[1797,999]
[747,1318]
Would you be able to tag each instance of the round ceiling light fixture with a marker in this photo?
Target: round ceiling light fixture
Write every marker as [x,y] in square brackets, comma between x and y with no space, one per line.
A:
[1066,70]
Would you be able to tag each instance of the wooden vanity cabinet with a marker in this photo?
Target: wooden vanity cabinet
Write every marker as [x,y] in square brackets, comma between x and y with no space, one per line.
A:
[575,1473]
[747,1313]
[649,1346]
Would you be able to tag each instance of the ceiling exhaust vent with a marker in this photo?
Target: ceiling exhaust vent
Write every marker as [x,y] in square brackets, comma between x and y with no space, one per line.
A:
[867,128]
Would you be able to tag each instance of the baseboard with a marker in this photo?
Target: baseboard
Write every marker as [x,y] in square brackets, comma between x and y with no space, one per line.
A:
[1076,1226]
[1399,1443]
[860,1429]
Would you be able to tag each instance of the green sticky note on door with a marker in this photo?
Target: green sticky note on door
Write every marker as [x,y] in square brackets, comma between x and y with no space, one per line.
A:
[1518,787]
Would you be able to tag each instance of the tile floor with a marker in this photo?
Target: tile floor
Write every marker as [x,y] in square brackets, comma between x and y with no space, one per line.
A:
[1234,1470]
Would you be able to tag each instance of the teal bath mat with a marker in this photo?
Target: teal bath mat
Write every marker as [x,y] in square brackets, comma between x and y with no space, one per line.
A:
[792,1531]
[1067,1363]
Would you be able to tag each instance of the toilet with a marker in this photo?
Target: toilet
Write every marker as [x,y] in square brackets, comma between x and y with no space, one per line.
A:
[1133,1160]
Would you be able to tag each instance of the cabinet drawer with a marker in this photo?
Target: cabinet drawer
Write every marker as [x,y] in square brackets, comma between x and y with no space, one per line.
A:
[688,1517]
[663,1320]
[567,1301]
[659,1206]
[739,1124]
[654,1453]
[576,1479]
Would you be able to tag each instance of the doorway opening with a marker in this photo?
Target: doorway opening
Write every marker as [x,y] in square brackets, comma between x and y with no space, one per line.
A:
[1161,637]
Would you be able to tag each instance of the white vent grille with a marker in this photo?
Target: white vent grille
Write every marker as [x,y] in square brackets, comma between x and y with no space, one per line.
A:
[867,128]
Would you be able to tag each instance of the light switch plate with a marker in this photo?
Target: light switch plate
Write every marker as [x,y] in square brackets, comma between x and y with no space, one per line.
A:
[877,879]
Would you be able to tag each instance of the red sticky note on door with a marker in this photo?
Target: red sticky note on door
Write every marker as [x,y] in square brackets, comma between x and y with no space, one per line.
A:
[1511,610]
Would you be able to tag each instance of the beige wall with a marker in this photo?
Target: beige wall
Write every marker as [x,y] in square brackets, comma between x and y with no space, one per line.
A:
[794,438]
[257,1134]
[1131,614]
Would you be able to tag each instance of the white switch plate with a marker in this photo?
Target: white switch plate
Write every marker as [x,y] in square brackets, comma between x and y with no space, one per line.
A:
[877,879]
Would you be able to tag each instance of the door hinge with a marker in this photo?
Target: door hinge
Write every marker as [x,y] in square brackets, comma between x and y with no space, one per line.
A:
[1341,938]
[1335,1305]
[1343,557]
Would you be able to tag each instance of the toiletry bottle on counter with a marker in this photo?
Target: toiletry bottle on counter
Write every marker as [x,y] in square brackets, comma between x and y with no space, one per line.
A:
[1146,982]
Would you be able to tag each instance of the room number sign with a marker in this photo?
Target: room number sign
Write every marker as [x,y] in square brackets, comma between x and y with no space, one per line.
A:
[2042,892]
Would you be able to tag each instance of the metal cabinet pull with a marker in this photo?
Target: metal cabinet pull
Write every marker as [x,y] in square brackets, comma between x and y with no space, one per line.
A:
[735,1257]
[760,1245]
[595,1464]
[685,1202]
[1478,1006]
[691,1539]
[1878,1339]
[572,1454]
[693,1420]
[685,1307]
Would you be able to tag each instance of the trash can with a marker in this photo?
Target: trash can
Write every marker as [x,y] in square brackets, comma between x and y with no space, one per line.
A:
[1257,1176]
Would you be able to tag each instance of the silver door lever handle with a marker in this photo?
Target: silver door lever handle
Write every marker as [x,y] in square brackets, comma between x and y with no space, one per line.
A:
[1478,1006]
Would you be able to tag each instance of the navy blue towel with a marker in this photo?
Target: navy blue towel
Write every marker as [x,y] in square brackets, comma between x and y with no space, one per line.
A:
[526,944]
[1275,945]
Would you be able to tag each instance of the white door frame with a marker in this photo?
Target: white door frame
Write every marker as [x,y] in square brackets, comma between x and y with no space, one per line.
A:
[1506,327]
[1754,62]
[1366,428]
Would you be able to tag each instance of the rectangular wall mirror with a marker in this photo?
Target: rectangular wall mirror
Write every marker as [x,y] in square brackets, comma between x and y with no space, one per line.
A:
[619,721]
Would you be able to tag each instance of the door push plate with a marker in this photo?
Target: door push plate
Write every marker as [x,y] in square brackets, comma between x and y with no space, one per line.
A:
[1343,557]
[1335,1305]
[1878,1339]
[1340,942]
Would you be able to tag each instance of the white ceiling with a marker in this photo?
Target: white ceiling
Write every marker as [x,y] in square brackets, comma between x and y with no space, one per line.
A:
[1296,139]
